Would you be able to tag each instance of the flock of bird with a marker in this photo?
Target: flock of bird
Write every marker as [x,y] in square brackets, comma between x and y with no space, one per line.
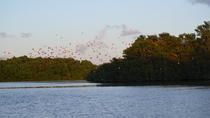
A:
[95,51]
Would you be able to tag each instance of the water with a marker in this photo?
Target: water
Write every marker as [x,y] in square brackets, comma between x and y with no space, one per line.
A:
[103,102]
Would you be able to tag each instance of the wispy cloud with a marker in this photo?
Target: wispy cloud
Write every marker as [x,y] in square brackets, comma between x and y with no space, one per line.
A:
[5,35]
[207,2]
[20,35]
[124,31]
[128,31]
[25,35]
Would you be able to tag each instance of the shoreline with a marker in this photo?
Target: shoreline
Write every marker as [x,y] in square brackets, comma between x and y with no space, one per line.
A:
[84,83]
[178,83]
[196,82]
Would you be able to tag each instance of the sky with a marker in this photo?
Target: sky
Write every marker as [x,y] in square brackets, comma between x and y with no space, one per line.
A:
[96,30]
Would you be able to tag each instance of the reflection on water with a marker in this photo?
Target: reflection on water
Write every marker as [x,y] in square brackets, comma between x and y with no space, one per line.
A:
[103,102]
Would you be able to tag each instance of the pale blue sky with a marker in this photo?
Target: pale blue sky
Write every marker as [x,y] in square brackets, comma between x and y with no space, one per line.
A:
[58,22]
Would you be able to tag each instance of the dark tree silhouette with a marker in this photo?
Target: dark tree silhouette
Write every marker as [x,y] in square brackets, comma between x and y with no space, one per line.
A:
[161,58]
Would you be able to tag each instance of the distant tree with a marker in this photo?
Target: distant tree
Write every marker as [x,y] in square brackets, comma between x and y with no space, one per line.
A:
[44,69]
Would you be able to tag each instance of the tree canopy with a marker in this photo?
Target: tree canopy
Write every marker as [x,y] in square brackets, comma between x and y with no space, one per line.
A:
[44,69]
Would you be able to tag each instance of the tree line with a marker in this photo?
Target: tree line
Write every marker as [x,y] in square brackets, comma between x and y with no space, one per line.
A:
[160,58]
[44,69]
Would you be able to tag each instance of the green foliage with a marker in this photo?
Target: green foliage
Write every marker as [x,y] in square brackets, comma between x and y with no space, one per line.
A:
[43,69]
[161,58]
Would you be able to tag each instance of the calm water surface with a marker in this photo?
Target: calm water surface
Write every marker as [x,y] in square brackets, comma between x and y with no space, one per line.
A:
[103,102]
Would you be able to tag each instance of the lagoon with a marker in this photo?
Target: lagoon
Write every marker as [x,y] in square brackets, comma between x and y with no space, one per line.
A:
[87,100]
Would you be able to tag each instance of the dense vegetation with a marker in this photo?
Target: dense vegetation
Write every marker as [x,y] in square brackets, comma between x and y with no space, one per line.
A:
[161,58]
[43,69]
